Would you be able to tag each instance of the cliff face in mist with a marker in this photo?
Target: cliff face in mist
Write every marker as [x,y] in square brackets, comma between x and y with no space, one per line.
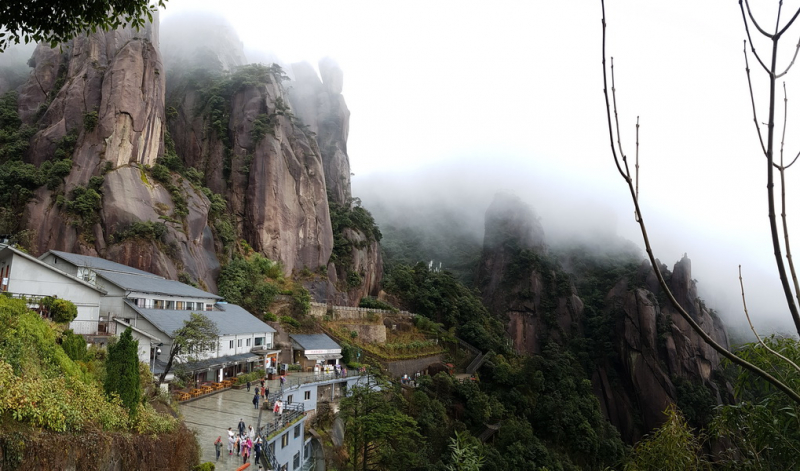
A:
[640,346]
[515,278]
[174,167]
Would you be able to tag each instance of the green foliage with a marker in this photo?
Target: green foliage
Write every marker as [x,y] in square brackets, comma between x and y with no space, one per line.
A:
[122,371]
[14,136]
[302,300]
[85,204]
[74,345]
[673,447]
[551,391]
[375,303]
[289,321]
[354,279]
[695,402]
[41,385]
[262,126]
[61,310]
[90,121]
[54,22]
[207,466]
[250,282]
[379,435]
[146,230]
[465,454]
[440,297]
[763,427]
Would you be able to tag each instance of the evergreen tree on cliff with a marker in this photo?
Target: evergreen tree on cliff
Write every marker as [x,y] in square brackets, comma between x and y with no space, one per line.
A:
[122,371]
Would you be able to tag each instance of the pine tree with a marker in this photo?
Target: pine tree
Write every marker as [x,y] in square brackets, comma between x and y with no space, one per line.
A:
[122,371]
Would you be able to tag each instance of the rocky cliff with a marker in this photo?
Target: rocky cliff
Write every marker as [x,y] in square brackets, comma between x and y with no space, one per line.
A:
[520,283]
[643,355]
[174,167]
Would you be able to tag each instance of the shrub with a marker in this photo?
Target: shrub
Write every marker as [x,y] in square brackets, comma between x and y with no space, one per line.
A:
[147,230]
[207,466]
[291,321]
[74,345]
[61,310]
[90,121]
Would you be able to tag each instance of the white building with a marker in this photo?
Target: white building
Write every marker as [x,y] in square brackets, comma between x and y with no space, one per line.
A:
[155,307]
[25,276]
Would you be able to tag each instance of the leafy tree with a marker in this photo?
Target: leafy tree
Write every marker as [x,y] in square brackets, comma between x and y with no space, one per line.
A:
[198,333]
[763,428]
[673,447]
[465,453]
[61,310]
[59,21]
[74,345]
[378,435]
[122,371]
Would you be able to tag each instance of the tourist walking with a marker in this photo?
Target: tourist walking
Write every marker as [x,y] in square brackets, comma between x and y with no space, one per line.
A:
[218,446]
[231,442]
[251,434]
[257,448]
[241,427]
[255,400]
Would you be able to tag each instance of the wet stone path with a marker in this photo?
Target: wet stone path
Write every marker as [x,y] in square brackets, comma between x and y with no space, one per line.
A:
[210,416]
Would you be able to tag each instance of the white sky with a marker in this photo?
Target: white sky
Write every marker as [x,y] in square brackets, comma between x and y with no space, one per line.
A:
[509,93]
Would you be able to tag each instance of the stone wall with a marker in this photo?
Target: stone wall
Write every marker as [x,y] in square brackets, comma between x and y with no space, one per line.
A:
[348,312]
[409,367]
[372,333]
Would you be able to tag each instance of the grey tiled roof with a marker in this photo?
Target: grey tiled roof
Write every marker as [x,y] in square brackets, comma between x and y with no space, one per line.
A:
[315,342]
[99,263]
[233,320]
[150,284]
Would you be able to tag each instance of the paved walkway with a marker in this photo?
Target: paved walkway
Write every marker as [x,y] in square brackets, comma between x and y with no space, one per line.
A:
[210,416]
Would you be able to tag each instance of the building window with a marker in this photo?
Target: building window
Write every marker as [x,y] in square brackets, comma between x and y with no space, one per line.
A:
[179,305]
[189,306]
[297,460]
[231,345]
[285,440]
[170,305]
[307,395]
[159,304]
[259,341]
[247,343]
[289,399]
[271,449]
[239,343]
[296,431]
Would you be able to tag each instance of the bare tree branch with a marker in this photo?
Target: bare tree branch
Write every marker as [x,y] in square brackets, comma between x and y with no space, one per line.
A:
[755,23]
[746,314]
[749,38]
[608,106]
[788,25]
[794,396]
[752,98]
[636,216]
[796,50]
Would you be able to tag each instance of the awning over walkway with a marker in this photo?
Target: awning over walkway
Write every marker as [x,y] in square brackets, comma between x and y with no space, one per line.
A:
[209,363]
[324,356]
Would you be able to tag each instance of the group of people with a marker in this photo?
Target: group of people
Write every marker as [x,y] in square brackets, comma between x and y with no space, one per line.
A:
[243,441]
[328,369]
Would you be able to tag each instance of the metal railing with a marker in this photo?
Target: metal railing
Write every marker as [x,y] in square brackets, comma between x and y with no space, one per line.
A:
[293,383]
[291,413]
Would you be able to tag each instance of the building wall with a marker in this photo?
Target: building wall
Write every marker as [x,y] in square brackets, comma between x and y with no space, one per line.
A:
[28,277]
[299,396]
[295,443]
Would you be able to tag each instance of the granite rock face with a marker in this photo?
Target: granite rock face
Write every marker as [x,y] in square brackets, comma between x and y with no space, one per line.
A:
[653,346]
[514,284]
[272,158]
